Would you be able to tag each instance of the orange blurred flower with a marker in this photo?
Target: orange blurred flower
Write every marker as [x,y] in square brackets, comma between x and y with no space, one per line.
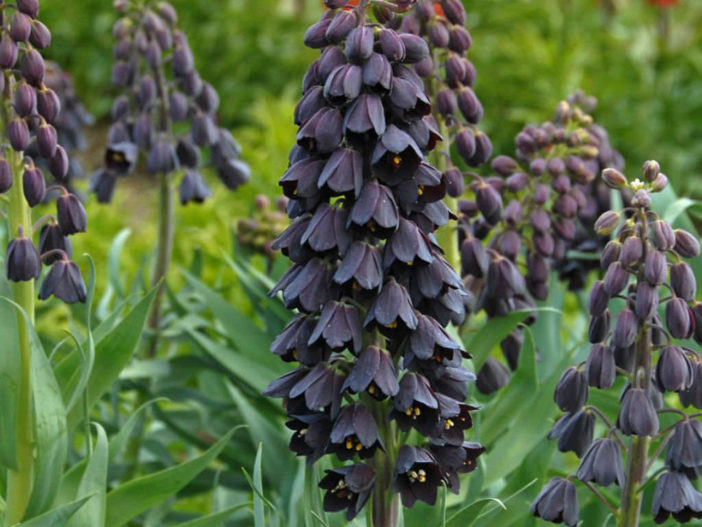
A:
[664,3]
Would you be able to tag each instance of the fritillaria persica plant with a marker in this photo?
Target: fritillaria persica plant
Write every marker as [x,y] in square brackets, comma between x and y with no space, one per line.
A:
[640,316]
[29,111]
[167,113]
[524,221]
[379,382]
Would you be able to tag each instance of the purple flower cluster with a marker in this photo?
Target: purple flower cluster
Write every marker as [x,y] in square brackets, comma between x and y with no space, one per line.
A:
[74,117]
[166,110]
[32,110]
[450,77]
[523,221]
[639,313]
[371,286]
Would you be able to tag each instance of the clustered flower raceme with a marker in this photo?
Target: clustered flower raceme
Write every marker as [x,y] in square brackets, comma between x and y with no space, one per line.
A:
[450,78]
[372,288]
[524,220]
[74,117]
[166,110]
[30,122]
[645,274]
[265,225]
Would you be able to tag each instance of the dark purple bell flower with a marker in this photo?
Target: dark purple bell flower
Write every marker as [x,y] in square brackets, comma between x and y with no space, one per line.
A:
[601,367]
[322,132]
[292,343]
[193,188]
[676,496]
[392,310]
[417,476]
[407,245]
[52,237]
[343,172]
[625,329]
[354,433]
[457,459]
[602,464]
[347,488]
[22,260]
[416,404]
[637,415]
[679,319]
[33,185]
[572,390]
[684,452]
[374,373]
[430,341]
[310,435]
[306,287]
[492,376]
[693,395]
[674,371]
[321,387]
[557,502]
[339,327]
[365,115]
[102,184]
[121,158]
[574,431]
[361,267]
[65,282]
[683,281]
[282,386]
[71,214]
[455,419]
[327,230]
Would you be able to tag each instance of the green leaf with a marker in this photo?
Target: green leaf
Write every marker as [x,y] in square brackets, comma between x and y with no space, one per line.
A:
[113,257]
[467,515]
[138,495]
[259,518]
[50,437]
[678,207]
[215,519]
[56,517]
[481,343]
[112,353]
[93,485]
[9,377]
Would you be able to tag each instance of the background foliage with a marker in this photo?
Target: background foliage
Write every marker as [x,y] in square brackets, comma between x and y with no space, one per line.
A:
[642,63]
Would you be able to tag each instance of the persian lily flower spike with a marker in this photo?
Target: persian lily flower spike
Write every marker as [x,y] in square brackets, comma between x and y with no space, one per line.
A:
[449,79]
[167,113]
[640,316]
[30,112]
[523,221]
[379,381]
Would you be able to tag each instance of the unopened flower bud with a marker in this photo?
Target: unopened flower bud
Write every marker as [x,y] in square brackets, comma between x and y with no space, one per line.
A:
[32,67]
[18,132]
[641,199]
[5,176]
[47,141]
[8,52]
[455,185]
[651,169]
[673,371]
[632,251]
[686,245]
[340,26]
[637,415]
[25,101]
[601,367]
[571,390]
[678,319]
[48,104]
[29,7]
[162,158]
[504,165]
[659,183]
[33,185]
[58,164]
[20,27]
[663,235]
[416,48]
[606,223]
[613,178]
[683,281]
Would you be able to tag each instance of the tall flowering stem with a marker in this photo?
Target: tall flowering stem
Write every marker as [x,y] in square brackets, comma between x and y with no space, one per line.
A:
[644,271]
[379,382]
[29,111]
[169,114]
[449,79]
[541,204]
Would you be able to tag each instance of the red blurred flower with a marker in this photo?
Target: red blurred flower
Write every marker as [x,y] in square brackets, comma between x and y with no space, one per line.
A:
[663,3]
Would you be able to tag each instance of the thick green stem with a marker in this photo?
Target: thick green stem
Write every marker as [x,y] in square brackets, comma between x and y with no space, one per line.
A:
[637,455]
[164,249]
[20,481]
[385,503]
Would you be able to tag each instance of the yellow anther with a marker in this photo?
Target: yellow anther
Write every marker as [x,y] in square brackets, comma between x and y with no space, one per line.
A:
[420,190]
[412,475]
[411,263]
[371,389]
[422,479]
[359,447]
[349,444]
[417,412]
[392,324]
[408,411]
[397,161]
[448,425]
